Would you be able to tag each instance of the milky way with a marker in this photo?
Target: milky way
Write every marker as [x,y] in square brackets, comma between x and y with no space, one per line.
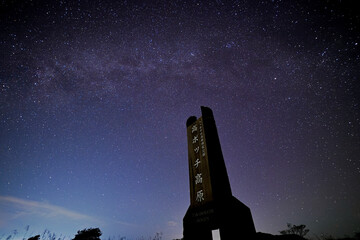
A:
[95,96]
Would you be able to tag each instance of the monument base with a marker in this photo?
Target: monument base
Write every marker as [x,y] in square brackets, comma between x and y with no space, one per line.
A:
[230,216]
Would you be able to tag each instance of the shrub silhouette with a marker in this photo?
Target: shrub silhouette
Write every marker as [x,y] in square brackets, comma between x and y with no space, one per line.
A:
[37,237]
[88,234]
[294,229]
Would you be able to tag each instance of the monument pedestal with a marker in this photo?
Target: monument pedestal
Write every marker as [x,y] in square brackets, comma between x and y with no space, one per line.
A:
[230,216]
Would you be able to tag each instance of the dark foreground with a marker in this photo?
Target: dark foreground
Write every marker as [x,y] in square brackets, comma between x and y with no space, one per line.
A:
[266,236]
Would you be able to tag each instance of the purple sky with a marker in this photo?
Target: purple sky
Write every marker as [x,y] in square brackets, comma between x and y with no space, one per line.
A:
[94,96]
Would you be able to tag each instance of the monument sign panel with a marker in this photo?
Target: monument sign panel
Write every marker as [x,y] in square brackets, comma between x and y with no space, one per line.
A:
[200,186]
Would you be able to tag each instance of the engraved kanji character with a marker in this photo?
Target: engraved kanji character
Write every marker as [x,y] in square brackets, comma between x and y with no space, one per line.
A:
[200,196]
[198,178]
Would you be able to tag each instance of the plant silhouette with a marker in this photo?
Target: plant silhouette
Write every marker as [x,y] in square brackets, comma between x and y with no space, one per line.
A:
[88,234]
[37,237]
[295,229]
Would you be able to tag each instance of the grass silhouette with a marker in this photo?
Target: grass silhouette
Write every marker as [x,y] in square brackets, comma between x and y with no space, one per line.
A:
[26,234]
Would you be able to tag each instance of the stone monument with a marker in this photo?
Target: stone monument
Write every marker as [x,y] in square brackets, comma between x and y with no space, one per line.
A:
[212,205]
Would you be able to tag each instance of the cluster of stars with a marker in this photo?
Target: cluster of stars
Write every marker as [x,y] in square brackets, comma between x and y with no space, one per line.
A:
[94,98]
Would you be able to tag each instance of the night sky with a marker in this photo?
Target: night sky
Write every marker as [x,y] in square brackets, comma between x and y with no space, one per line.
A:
[94,97]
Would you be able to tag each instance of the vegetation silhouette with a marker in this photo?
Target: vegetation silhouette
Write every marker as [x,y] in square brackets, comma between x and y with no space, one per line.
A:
[37,237]
[267,236]
[295,229]
[329,237]
[85,234]
[88,234]
[95,233]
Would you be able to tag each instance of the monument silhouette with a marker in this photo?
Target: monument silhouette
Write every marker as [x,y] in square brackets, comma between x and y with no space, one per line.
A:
[212,205]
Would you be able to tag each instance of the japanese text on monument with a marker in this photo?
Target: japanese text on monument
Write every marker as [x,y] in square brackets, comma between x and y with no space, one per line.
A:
[199,165]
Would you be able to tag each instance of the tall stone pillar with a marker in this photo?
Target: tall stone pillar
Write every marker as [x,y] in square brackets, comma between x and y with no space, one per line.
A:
[212,205]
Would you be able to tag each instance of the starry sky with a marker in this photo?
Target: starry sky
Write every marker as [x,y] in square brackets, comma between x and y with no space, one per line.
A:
[94,97]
